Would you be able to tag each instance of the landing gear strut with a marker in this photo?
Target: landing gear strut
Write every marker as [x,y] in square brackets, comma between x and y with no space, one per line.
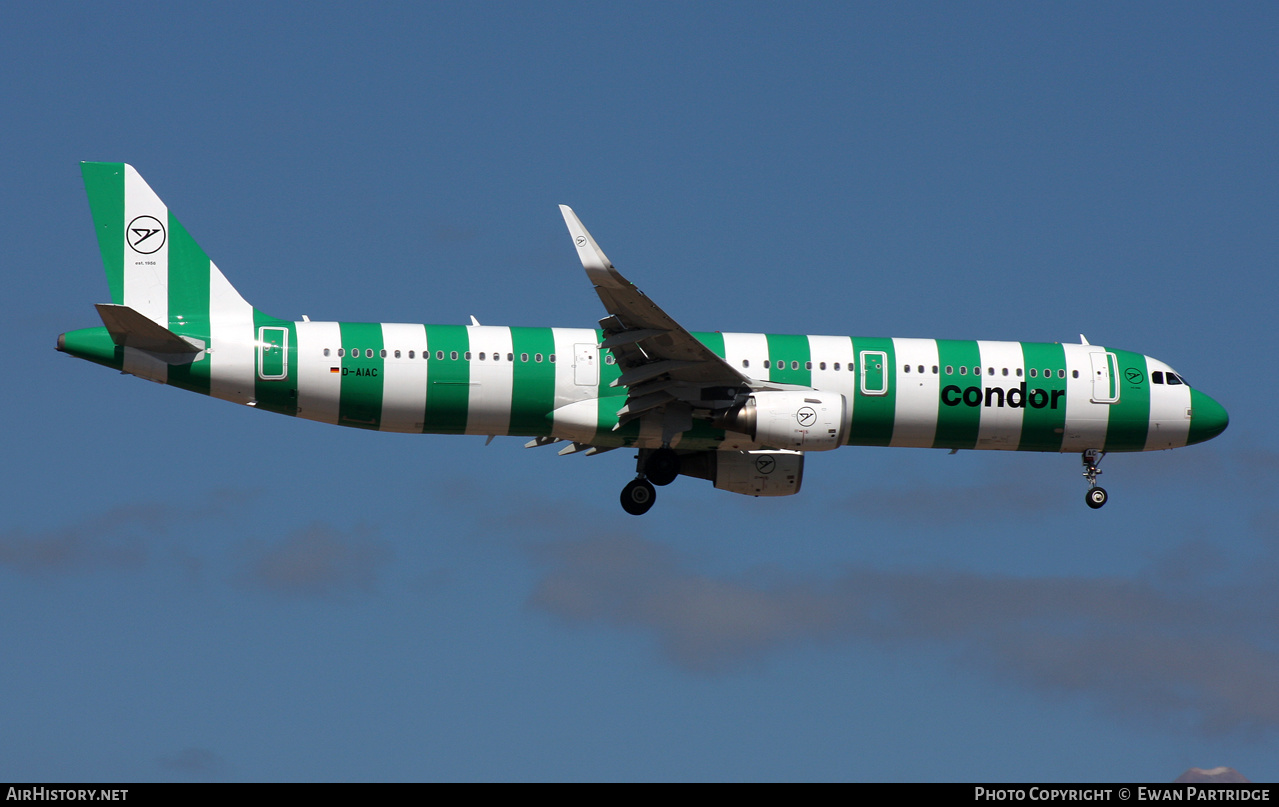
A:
[1096,496]
[638,496]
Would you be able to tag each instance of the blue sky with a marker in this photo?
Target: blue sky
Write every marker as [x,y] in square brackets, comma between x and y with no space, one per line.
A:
[194,590]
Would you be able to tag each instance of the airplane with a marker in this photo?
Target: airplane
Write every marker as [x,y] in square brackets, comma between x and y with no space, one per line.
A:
[740,410]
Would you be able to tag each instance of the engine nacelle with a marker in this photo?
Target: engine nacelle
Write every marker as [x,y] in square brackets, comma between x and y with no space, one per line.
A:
[759,473]
[807,420]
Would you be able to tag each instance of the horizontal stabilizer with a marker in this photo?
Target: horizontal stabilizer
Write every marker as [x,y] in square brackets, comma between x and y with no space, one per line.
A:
[128,328]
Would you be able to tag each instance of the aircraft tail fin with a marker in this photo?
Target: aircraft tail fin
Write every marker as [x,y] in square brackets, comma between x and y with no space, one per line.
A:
[153,265]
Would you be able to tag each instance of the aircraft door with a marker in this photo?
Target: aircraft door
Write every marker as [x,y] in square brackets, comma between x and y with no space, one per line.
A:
[874,372]
[273,353]
[586,371]
[1105,377]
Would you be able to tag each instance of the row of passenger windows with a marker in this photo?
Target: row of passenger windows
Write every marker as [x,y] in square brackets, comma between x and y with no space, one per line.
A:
[936,370]
[1034,372]
[439,355]
[1157,377]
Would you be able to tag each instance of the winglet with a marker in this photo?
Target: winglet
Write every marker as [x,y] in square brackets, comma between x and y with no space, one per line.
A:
[597,265]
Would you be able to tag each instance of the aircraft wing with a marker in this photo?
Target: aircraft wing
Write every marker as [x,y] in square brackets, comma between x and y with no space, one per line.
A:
[661,363]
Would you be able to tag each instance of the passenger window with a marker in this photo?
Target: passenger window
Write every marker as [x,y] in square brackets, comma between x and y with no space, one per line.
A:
[906,368]
[767,364]
[1019,372]
[822,365]
[746,363]
[552,358]
[368,352]
[1005,371]
[1061,373]
[921,368]
[397,354]
[1048,373]
[452,355]
[794,365]
[468,355]
[481,357]
[523,357]
[990,371]
[836,365]
[439,355]
[963,370]
[413,354]
[934,369]
[1034,373]
[537,357]
[511,357]
[1074,374]
[950,369]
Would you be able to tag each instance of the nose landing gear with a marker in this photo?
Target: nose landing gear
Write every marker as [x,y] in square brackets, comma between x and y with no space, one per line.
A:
[1096,496]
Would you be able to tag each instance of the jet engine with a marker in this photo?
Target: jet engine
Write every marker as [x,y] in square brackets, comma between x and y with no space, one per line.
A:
[751,473]
[806,420]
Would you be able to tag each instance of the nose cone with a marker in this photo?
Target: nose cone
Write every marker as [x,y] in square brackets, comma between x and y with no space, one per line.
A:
[1207,418]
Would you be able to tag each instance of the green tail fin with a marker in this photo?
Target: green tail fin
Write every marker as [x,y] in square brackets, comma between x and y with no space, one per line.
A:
[153,265]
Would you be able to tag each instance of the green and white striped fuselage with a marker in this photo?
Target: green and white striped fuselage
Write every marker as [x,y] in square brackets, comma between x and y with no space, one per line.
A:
[555,382]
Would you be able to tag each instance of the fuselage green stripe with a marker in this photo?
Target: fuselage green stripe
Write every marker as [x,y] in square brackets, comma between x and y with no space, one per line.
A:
[790,359]
[957,425]
[533,387]
[448,382]
[360,402]
[1130,415]
[1043,423]
[713,340]
[873,414]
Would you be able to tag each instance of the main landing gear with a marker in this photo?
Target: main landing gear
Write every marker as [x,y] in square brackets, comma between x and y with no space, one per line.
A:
[659,467]
[638,496]
[1096,496]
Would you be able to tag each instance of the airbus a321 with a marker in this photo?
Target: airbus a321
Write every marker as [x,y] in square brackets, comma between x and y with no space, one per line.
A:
[738,409]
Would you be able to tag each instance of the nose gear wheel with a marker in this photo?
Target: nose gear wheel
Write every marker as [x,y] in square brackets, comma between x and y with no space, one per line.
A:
[1096,496]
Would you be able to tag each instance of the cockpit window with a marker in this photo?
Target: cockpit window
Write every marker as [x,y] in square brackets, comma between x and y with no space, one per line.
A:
[1157,377]
[1173,378]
